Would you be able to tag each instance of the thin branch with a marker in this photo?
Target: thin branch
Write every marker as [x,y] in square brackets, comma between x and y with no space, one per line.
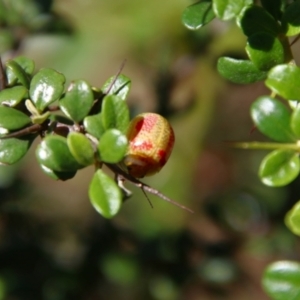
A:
[25,131]
[2,77]
[116,76]
[117,170]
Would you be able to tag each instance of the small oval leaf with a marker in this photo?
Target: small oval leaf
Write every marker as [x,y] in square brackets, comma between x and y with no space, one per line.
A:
[25,63]
[93,125]
[197,15]
[272,118]
[15,74]
[292,219]
[81,148]
[295,121]
[119,86]
[58,175]
[112,146]
[226,10]
[281,280]
[239,71]
[53,153]
[254,19]
[279,167]
[265,50]
[284,80]
[12,119]
[13,96]
[77,101]
[13,149]
[291,19]
[105,195]
[115,113]
[46,87]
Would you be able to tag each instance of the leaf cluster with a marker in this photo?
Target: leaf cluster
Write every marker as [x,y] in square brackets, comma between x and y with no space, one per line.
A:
[268,27]
[80,125]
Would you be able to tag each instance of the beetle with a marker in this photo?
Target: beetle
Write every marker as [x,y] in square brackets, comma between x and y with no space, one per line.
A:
[151,140]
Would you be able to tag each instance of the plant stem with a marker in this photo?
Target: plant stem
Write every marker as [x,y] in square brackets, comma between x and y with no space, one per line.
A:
[265,146]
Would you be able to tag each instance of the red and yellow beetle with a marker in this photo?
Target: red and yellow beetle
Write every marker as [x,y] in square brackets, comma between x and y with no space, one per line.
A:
[151,139]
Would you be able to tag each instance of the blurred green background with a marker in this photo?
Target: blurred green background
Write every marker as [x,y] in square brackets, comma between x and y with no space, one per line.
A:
[54,246]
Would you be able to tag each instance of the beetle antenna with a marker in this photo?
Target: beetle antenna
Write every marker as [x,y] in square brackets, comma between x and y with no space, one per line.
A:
[142,188]
[116,76]
[145,188]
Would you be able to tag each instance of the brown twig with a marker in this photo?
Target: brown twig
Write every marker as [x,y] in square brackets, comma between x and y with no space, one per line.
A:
[117,170]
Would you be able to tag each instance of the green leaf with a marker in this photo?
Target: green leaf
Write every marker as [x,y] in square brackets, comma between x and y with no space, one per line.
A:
[279,167]
[105,195]
[272,118]
[46,87]
[295,121]
[13,96]
[15,74]
[77,101]
[12,119]
[58,175]
[281,280]
[81,148]
[115,113]
[119,86]
[292,219]
[265,50]
[13,149]
[291,19]
[112,146]
[198,14]
[284,80]
[239,71]
[254,19]
[93,125]
[273,7]
[53,153]
[228,9]
[26,64]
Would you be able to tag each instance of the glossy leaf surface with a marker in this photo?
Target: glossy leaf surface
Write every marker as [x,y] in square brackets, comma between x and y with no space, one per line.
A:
[15,74]
[284,80]
[119,86]
[14,95]
[272,118]
[295,121]
[265,50]
[239,71]
[291,19]
[112,146]
[13,149]
[12,119]
[46,87]
[26,64]
[81,148]
[281,280]
[254,19]
[292,219]
[105,195]
[115,113]
[279,167]
[93,125]
[197,15]
[58,175]
[228,9]
[77,101]
[53,153]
